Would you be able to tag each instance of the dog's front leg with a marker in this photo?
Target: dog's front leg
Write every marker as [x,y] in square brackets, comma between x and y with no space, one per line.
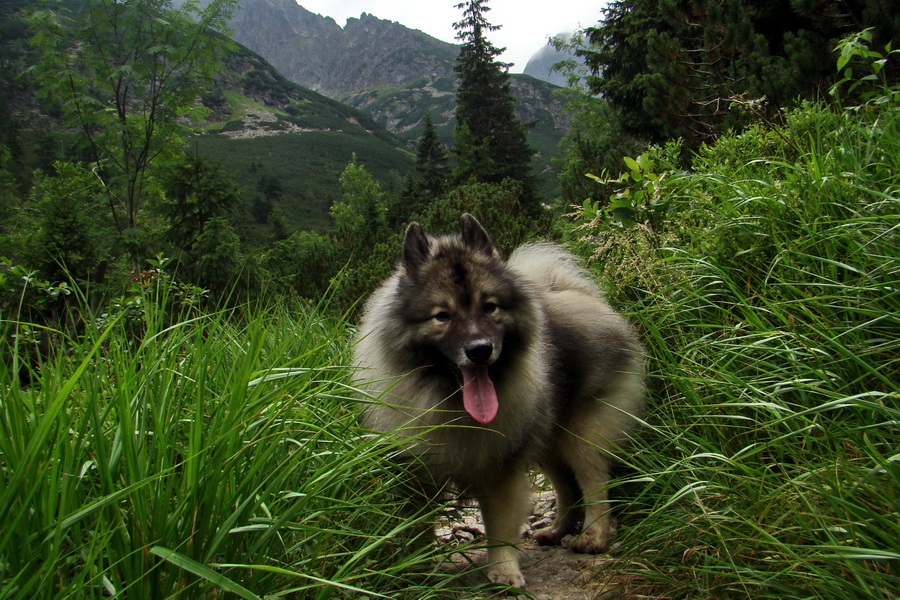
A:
[505,509]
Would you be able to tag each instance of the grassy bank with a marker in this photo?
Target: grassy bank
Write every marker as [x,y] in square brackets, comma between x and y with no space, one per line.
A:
[767,295]
[177,454]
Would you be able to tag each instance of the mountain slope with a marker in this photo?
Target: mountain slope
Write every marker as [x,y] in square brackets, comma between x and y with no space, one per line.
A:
[540,65]
[391,71]
[336,61]
[265,127]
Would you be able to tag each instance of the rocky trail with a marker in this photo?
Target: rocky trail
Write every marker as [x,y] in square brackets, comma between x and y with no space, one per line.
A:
[552,573]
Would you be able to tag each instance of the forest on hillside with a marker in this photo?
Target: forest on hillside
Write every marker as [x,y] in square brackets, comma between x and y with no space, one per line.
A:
[110,181]
[176,417]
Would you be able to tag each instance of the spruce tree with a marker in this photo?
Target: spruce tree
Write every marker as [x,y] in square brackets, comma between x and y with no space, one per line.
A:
[428,184]
[432,163]
[490,142]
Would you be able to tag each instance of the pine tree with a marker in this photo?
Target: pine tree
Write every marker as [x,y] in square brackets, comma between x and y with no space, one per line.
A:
[490,142]
[428,184]
[432,163]
[199,199]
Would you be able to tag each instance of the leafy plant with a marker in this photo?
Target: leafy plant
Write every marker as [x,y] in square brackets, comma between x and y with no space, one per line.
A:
[637,197]
[132,90]
[873,87]
[628,202]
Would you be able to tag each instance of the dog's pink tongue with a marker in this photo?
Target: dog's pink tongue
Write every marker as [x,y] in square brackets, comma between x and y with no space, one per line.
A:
[479,395]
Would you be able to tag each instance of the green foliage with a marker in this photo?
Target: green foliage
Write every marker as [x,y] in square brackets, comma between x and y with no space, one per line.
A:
[23,292]
[195,192]
[637,198]
[594,143]
[307,165]
[199,198]
[490,143]
[498,206]
[359,253]
[9,197]
[153,294]
[73,226]
[696,69]
[359,217]
[361,235]
[432,163]
[303,263]
[769,307]
[217,262]
[596,138]
[875,86]
[270,192]
[132,89]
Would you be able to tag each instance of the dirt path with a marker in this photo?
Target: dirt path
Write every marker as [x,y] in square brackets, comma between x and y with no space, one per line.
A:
[552,573]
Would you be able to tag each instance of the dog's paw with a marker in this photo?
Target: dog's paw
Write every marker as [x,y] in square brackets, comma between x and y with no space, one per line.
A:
[549,536]
[506,574]
[590,542]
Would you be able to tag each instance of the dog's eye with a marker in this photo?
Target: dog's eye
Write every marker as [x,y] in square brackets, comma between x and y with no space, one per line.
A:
[441,316]
[490,307]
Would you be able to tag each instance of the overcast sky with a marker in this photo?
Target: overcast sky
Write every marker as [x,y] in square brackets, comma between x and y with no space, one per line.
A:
[526,24]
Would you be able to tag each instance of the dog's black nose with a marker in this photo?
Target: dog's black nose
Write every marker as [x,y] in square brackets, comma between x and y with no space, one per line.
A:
[480,352]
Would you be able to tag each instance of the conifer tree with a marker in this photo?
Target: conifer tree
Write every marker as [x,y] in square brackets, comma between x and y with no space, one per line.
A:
[490,142]
[432,162]
[427,184]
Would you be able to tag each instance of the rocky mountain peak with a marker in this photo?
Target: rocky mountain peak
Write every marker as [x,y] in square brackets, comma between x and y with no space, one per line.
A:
[382,67]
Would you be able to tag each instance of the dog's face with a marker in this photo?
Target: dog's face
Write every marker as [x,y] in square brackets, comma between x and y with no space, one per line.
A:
[462,310]
[461,304]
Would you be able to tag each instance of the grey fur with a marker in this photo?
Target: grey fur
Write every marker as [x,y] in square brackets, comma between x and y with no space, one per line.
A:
[566,367]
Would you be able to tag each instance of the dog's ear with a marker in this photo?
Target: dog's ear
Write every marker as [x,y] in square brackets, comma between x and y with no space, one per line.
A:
[415,248]
[474,235]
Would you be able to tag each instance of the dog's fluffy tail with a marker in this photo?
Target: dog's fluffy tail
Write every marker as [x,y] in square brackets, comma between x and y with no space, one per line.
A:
[552,269]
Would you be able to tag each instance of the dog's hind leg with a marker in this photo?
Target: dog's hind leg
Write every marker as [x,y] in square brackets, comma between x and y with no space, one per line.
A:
[504,510]
[590,465]
[568,497]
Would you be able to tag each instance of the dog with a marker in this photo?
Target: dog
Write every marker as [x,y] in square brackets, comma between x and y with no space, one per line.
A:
[485,367]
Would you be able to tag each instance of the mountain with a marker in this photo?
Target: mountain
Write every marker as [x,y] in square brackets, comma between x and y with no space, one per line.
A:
[540,65]
[391,71]
[336,61]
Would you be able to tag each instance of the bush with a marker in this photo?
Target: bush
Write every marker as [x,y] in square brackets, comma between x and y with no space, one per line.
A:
[499,208]
[74,233]
[303,263]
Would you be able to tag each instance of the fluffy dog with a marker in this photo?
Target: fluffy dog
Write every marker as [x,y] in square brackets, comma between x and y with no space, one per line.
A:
[485,367]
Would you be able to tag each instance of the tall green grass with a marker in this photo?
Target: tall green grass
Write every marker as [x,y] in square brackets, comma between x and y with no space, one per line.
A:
[770,463]
[179,454]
